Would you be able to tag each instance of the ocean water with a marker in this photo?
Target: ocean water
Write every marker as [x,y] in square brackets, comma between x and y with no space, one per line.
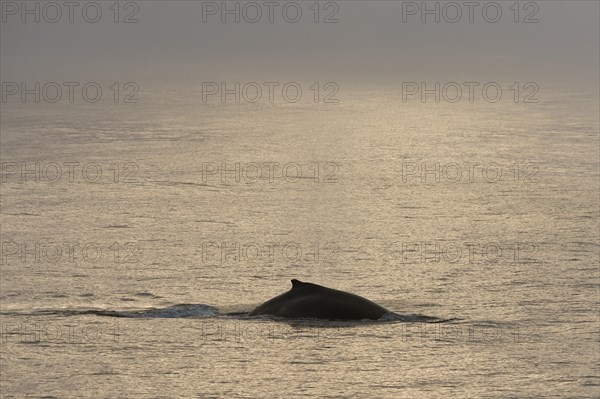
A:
[130,259]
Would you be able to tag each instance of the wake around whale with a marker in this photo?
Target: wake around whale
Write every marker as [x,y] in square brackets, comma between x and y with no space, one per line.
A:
[303,301]
[308,300]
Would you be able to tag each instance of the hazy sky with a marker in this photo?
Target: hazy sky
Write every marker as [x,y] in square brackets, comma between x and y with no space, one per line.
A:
[369,43]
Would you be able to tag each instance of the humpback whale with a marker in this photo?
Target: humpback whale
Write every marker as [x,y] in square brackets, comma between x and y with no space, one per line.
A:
[308,300]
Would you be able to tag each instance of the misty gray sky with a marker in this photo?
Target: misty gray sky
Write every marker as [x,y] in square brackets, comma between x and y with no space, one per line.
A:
[370,42]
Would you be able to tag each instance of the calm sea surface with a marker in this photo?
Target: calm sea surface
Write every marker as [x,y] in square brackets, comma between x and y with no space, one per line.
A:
[136,236]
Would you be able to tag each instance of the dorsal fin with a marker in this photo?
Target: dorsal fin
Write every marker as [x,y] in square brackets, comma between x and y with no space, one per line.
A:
[296,283]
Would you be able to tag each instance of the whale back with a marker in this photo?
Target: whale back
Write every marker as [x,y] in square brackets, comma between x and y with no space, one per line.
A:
[308,300]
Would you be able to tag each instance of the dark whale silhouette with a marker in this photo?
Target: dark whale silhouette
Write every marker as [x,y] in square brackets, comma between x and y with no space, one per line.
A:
[307,300]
